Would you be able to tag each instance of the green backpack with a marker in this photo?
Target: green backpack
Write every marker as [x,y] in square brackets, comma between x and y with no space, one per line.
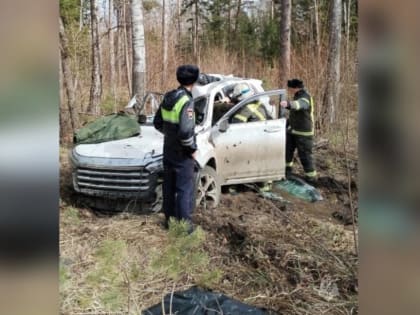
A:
[107,128]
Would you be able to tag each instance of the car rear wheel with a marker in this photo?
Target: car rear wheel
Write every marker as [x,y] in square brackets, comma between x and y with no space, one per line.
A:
[208,188]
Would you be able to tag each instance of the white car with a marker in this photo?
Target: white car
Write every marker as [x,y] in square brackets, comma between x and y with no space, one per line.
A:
[123,173]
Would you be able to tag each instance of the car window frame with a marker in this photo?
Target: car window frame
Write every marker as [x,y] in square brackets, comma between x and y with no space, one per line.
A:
[229,114]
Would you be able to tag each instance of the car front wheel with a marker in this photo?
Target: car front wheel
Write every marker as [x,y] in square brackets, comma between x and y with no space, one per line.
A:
[208,188]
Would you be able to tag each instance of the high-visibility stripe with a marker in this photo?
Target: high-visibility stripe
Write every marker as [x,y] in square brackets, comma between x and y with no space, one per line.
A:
[254,109]
[311,174]
[312,115]
[303,133]
[188,141]
[289,164]
[307,133]
[241,117]
[173,114]
[297,105]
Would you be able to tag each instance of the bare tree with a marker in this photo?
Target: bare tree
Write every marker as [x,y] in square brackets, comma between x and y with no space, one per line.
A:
[96,79]
[139,49]
[285,24]
[317,33]
[178,20]
[81,15]
[238,12]
[65,123]
[67,80]
[196,46]
[331,96]
[112,54]
[347,22]
[118,44]
[164,42]
[126,47]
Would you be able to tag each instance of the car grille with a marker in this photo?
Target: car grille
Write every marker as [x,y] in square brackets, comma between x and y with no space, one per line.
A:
[123,181]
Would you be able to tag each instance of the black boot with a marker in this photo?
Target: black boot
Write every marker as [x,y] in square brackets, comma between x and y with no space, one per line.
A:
[288,172]
[311,180]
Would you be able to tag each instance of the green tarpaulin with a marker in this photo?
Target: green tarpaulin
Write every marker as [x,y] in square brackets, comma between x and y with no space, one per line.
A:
[299,188]
[107,128]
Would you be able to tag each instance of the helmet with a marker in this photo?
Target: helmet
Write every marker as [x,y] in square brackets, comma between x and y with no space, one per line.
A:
[242,91]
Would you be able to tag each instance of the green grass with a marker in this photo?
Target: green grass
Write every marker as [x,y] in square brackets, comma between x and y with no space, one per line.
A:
[185,256]
[107,277]
[71,216]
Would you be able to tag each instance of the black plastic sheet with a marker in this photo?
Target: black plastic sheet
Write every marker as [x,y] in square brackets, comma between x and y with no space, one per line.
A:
[195,301]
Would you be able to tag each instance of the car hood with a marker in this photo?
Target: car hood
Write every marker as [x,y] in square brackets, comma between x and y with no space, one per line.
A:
[134,150]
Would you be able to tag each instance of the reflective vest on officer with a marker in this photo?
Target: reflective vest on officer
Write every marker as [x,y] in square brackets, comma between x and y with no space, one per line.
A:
[176,120]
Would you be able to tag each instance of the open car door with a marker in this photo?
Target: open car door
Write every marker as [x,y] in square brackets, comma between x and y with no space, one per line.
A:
[251,151]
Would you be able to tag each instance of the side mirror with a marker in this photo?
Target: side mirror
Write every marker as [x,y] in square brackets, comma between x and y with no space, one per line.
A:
[223,125]
[132,102]
[141,119]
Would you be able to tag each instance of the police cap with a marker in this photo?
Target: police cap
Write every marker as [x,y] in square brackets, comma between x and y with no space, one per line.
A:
[187,74]
[295,84]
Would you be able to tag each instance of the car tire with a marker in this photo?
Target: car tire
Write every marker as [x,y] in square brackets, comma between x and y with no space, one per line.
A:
[208,188]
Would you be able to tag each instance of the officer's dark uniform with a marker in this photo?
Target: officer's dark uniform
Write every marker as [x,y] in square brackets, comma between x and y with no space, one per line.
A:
[300,130]
[175,119]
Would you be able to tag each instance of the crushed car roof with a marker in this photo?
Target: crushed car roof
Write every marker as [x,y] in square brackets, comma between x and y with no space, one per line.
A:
[200,90]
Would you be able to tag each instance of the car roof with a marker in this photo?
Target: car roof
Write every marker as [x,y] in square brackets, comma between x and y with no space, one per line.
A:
[200,90]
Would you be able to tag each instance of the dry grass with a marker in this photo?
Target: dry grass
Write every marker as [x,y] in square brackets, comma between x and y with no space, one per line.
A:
[273,263]
[264,260]
[106,263]
[269,255]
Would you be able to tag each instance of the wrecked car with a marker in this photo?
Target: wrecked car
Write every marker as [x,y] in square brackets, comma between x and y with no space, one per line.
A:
[126,174]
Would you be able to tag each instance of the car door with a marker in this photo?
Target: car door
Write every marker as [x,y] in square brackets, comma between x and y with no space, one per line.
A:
[251,151]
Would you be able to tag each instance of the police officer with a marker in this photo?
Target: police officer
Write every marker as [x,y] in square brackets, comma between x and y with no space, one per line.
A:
[175,119]
[300,130]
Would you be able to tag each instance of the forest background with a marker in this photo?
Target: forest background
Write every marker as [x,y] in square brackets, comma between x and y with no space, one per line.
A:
[113,49]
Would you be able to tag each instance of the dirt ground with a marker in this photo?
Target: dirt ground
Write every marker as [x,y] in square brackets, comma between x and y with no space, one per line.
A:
[290,257]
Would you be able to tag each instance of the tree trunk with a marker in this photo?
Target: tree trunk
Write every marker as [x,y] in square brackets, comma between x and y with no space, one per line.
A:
[347,22]
[65,124]
[238,12]
[112,82]
[317,34]
[178,20]
[164,44]
[67,78]
[196,47]
[285,23]
[331,96]
[126,51]
[272,10]
[120,47]
[96,84]
[229,26]
[81,15]
[139,49]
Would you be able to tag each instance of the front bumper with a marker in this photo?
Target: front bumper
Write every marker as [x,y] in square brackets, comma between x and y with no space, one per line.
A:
[117,181]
